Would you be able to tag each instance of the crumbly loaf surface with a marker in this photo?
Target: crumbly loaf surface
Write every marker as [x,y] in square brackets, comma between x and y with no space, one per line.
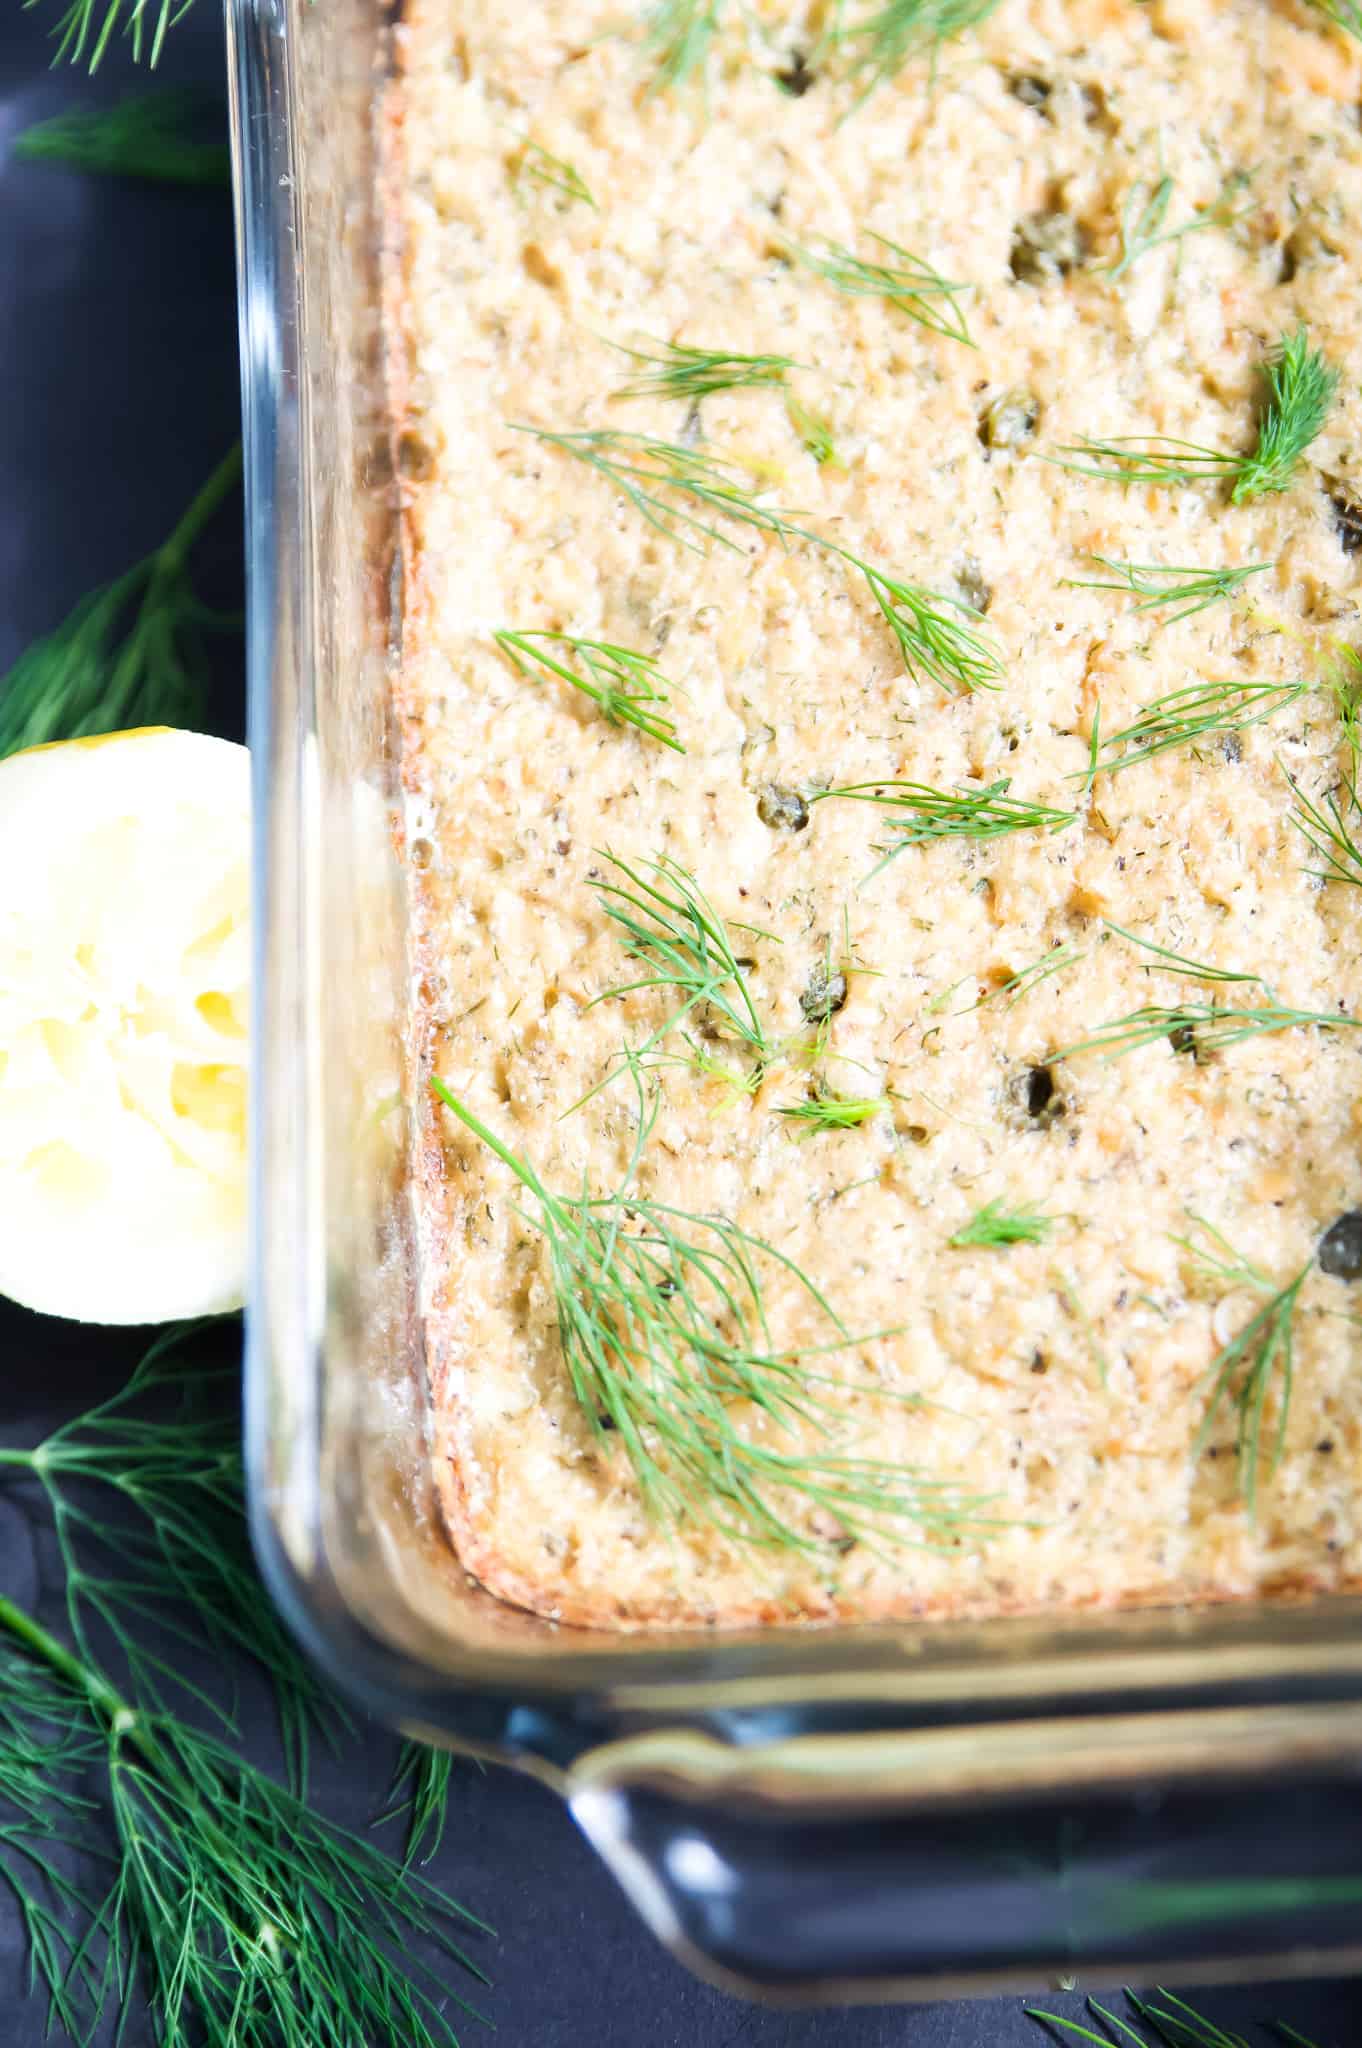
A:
[506,294]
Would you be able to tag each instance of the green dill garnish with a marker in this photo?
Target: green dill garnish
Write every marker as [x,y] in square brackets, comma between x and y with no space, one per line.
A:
[1251,1365]
[994,1226]
[1197,712]
[1157,584]
[880,41]
[678,38]
[1345,14]
[1300,390]
[908,282]
[1329,833]
[131,653]
[539,166]
[814,431]
[662,479]
[627,686]
[832,1112]
[1146,210]
[1178,963]
[157,135]
[918,813]
[669,925]
[682,372]
[1026,978]
[663,1326]
[1344,685]
[1201,1028]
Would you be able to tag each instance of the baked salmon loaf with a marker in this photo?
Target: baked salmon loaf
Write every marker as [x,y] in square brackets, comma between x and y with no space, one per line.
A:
[878,709]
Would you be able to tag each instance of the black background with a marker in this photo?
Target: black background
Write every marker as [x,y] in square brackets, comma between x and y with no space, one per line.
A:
[118,345]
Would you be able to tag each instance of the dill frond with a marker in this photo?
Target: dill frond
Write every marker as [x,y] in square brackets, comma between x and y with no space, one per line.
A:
[242,1914]
[1345,14]
[159,136]
[1026,978]
[1178,963]
[90,25]
[918,813]
[907,281]
[1146,210]
[1157,584]
[538,166]
[934,633]
[131,653]
[1300,390]
[1199,711]
[1258,1362]
[423,1774]
[832,1112]
[688,374]
[1201,1028]
[814,431]
[880,41]
[678,36]
[662,479]
[663,1326]
[627,686]
[993,1227]
[1329,833]
[669,925]
[1344,685]
[1172,2025]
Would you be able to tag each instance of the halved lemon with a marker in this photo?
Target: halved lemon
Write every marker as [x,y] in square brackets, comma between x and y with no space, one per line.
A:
[124,970]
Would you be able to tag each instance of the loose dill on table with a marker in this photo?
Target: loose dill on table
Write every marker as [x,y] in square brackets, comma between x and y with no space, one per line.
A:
[995,1226]
[1299,391]
[936,635]
[629,687]
[908,281]
[1197,712]
[663,1326]
[1156,584]
[538,166]
[159,136]
[1172,2023]
[676,369]
[131,653]
[1146,210]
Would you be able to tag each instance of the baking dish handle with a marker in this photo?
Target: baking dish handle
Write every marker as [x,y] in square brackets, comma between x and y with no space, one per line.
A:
[775,1893]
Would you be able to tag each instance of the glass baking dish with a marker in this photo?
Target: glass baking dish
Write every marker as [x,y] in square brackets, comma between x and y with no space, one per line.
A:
[890,1811]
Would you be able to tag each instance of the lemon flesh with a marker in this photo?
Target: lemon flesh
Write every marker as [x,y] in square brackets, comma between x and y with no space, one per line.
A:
[124,976]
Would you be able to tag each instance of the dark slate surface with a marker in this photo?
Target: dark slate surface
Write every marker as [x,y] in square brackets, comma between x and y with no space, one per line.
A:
[118,340]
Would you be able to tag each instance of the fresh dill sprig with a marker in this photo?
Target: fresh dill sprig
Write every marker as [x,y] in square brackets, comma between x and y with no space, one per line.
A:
[1344,685]
[935,634]
[1146,210]
[1300,390]
[994,1226]
[917,813]
[670,926]
[663,1326]
[678,37]
[820,1112]
[628,686]
[1156,584]
[242,1914]
[814,431]
[908,282]
[1026,978]
[90,25]
[1328,831]
[1198,711]
[1173,2024]
[1201,1028]
[539,166]
[1345,14]
[423,1773]
[1179,963]
[167,1447]
[663,479]
[131,653]
[1258,1362]
[157,136]
[880,41]
[677,370]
